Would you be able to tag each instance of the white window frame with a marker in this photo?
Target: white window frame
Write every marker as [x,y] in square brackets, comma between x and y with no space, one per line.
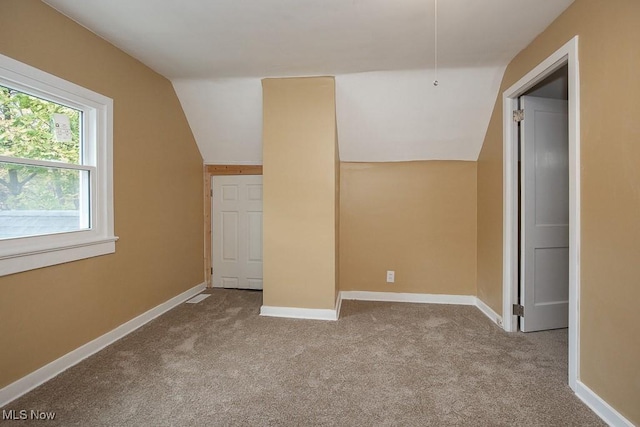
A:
[28,253]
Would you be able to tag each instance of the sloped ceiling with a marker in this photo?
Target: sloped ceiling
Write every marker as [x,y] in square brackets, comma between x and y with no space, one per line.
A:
[381,52]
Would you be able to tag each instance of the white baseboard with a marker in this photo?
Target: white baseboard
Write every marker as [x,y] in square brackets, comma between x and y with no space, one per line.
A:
[304,313]
[299,313]
[338,305]
[600,407]
[328,314]
[34,379]
[405,297]
[235,162]
[488,311]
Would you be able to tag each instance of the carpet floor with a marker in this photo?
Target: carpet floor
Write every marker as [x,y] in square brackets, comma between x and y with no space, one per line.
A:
[219,363]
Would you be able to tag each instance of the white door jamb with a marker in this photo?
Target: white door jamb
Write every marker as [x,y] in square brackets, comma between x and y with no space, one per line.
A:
[567,54]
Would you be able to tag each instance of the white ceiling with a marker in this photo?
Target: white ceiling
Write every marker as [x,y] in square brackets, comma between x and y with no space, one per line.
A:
[260,38]
[215,52]
[225,116]
[401,116]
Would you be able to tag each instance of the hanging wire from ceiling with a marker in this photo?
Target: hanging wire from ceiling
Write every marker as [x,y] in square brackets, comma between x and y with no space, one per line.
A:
[435,42]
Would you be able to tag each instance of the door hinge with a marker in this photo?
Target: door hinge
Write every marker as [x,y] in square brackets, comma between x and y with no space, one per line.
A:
[518,310]
[211,270]
[211,192]
[518,115]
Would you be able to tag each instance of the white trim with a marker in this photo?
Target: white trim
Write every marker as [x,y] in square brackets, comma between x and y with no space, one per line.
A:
[40,376]
[567,54]
[26,253]
[409,297]
[47,164]
[338,305]
[58,255]
[299,313]
[234,162]
[488,311]
[600,407]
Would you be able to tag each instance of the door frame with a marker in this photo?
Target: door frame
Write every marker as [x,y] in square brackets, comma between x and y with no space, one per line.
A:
[566,55]
[209,171]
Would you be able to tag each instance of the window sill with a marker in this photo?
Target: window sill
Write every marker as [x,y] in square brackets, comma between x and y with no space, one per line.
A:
[30,260]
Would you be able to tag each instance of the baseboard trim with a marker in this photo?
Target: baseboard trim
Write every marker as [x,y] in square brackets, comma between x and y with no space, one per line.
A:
[47,372]
[408,297]
[328,314]
[488,311]
[600,407]
[300,313]
[338,305]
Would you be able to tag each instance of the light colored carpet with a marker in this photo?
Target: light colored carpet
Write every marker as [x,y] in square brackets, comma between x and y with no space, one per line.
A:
[382,364]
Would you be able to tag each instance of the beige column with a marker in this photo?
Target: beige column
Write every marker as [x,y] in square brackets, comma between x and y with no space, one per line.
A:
[300,178]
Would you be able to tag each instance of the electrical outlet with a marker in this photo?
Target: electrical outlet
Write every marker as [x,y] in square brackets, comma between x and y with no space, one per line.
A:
[391,276]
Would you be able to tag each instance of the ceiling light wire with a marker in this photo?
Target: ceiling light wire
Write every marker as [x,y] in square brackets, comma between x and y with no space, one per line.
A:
[435,42]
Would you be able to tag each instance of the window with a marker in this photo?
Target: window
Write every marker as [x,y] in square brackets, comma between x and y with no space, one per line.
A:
[44,176]
[56,202]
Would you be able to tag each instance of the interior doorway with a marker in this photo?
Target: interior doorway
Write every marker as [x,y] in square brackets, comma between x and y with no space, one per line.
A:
[210,171]
[567,56]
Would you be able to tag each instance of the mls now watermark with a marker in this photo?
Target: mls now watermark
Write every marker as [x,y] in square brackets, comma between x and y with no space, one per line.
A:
[23,414]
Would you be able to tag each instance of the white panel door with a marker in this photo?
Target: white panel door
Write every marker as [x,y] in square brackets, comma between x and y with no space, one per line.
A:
[236,228]
[544,268]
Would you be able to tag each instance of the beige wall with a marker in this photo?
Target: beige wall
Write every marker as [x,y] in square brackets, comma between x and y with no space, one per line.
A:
[299,179]
[417,218]
[490,209]
[610,151]
[157,190]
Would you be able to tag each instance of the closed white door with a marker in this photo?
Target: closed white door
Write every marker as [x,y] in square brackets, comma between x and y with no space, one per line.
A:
[544,268]
[237,231]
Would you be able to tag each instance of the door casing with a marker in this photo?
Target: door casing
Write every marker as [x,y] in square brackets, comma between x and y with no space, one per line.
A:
[566,55]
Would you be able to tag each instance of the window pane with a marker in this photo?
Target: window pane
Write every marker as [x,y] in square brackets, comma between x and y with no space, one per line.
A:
[33,128]
[37,200]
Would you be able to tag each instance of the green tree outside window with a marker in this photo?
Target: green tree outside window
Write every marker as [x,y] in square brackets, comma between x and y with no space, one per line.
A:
[26,131]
